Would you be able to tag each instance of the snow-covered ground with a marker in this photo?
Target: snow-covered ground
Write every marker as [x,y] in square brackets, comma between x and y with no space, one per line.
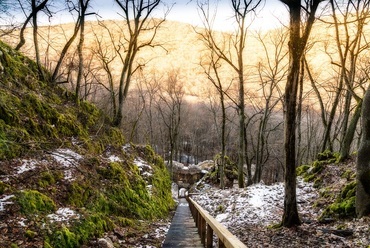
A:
[257,204]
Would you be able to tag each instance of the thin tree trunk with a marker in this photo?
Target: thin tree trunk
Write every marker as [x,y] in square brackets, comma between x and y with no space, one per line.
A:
[299,113]
[35,10]
[346,146]
[83,7]
[35,41]
[65,49]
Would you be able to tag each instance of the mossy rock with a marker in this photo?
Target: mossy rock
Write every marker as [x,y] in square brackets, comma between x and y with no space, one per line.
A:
[328,156]
[30,234]
[344,206]
[34,202]
[302,169]
[94,225]
[310,173]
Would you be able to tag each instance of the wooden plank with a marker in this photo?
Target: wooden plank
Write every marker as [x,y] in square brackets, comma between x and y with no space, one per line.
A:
[224,235]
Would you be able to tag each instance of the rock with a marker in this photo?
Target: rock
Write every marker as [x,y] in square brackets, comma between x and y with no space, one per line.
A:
[119,233]
[105,243]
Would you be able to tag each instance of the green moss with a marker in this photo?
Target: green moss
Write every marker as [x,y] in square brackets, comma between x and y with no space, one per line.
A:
[47,244]
[349,175]
[79,193]
[318,182]
[92,226]
[64,238]
[30,234]
[34,202]
[310,173]
[317,166]
[115,172]
[302,169]
[328,156]
[344,206]
[48,178]
[122,221]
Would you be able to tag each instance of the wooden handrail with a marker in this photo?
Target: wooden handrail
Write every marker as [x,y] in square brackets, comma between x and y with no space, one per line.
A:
[207,225]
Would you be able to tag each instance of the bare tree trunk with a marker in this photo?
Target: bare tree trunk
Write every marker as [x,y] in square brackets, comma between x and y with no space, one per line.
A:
[242,137]
[35,40]
[290,217]
[299,113]
[137,17]
[83,7]
[223,141]
[35,10]
[363,162]
[347,141]
[297,44]
[65,49]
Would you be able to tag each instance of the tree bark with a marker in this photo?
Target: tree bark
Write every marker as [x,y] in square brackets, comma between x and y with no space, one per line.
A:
[83,7]
[363,162]
[290,216]
[35,10]
[35,40]
[348,138]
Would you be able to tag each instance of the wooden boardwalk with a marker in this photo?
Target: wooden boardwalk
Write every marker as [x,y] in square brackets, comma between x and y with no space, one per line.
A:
[182,232]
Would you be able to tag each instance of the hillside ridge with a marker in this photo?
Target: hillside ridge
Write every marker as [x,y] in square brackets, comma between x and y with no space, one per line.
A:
[67,178]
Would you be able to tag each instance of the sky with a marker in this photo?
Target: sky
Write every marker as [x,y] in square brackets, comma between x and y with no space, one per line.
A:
[270,15]
[186,11]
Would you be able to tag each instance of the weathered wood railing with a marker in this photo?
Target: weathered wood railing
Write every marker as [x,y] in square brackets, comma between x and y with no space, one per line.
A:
[207,225]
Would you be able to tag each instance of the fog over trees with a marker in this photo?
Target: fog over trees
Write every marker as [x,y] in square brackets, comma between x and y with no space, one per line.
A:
[268,100]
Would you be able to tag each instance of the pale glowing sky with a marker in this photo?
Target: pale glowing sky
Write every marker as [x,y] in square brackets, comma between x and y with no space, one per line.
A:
[186,11]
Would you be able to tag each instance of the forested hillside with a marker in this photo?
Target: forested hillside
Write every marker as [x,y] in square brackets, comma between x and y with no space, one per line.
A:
[67,177]
[265,106]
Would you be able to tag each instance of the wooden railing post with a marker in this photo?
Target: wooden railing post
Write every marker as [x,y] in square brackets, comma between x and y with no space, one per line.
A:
[221,244]
[209,243]
[203,230]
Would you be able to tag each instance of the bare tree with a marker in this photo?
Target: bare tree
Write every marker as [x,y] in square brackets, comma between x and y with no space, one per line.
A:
[212,72]
[83,6]
[272,69]
[234,45]
[80,8]
[169,106]
[297,42]
[351,42]
[137,16]
[36,7]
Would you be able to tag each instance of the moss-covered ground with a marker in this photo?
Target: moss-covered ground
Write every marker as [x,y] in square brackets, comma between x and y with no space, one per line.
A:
[336,185]
[37,119]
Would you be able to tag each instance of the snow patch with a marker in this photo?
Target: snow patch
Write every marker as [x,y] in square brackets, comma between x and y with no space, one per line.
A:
[22,223]
[67,158]
[63,214]
[26,166]
[114,158]
[4,201]
[126,147]
[256,204]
